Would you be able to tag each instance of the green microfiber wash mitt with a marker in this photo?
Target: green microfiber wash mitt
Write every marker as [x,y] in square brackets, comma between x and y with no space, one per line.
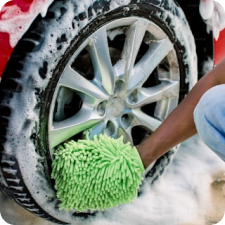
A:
[96,174]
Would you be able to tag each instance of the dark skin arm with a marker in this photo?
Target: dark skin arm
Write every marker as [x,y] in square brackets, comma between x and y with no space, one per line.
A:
[179,125]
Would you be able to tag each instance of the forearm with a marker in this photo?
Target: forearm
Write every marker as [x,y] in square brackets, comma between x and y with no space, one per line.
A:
[179,125]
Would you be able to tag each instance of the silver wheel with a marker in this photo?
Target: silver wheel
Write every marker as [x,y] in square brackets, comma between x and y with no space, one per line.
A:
[118,97]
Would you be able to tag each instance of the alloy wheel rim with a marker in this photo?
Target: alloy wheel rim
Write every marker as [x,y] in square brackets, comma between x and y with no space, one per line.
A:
[115,98]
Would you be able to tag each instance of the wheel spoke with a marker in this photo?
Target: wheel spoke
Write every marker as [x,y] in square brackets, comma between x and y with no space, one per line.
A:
[62,131]
[99,52]
[98,129]
[75,81]
[142,119]
[126,133]
[166,89]
[134,38]
[156,53]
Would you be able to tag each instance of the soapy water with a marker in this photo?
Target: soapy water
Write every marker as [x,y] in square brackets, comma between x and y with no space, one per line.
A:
[190,192]
[17,25]
[213,14]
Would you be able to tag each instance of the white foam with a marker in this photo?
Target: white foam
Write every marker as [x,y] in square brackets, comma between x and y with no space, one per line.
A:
[182,196]
[207,66]
[17,25]
[206,8]
[213,14]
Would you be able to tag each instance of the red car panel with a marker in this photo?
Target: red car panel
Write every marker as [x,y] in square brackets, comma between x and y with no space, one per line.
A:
[27,9]
[6,49]
[219,48]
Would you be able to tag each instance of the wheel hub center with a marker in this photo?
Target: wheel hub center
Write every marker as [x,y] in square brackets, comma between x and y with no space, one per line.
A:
[115,107]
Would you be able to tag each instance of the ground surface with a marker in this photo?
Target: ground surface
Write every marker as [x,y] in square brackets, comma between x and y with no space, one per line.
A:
[191,192]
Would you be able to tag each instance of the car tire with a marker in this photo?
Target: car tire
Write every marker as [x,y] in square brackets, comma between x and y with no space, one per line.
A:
[113,67]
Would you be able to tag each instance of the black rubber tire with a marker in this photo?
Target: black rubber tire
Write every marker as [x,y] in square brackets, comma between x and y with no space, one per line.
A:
[34,69]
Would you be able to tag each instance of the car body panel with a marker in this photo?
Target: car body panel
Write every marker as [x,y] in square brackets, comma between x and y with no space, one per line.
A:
[219,48]
[13,11]
[16,16]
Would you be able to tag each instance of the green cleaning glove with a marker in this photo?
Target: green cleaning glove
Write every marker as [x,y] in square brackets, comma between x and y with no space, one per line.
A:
[96,174]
